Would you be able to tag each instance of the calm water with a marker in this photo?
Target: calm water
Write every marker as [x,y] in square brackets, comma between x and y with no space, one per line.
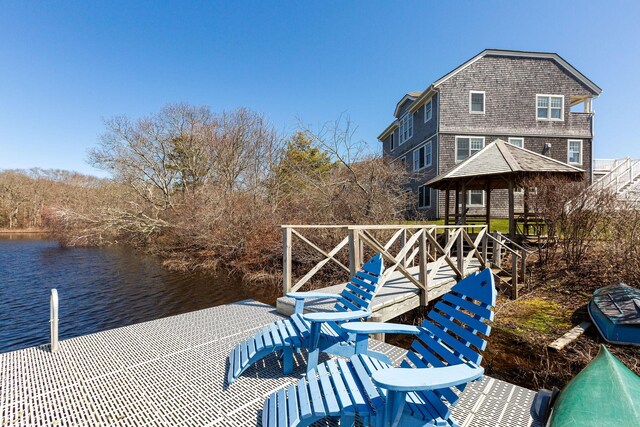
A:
[98,289]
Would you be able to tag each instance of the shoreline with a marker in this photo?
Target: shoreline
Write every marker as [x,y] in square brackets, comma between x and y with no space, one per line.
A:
[23,231]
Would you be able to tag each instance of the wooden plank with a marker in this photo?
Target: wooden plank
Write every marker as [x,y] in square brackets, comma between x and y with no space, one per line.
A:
[514,276]
[392,240]
[355,261]
[424,275]
[460,254]
[292,404]
[244,347]
[328,257]
[266,336]
[275,335]
[328,392]
[286,260]
[512,222]
[570,336]
[303,398]
[252,346]
[282,410]
[316,396]
[396,260]
[271,412]
[344,395]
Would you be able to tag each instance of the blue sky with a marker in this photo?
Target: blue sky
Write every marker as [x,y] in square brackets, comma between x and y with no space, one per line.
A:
[64,66]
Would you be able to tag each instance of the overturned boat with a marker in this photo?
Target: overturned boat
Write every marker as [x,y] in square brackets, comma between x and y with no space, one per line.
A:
[615,310]
[604,393]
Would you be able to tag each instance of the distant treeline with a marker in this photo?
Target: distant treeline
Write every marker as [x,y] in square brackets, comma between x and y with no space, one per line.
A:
[200,187]
[27,195]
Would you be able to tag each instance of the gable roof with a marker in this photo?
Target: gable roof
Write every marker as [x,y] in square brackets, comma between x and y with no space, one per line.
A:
[524,54]
[500,158]
[517,53]
[409,96]
[420,97]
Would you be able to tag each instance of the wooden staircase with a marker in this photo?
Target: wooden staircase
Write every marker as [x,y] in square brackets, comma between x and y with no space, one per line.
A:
[508,264]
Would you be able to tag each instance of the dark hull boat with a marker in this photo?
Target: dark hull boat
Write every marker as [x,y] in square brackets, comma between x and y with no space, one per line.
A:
[615,310]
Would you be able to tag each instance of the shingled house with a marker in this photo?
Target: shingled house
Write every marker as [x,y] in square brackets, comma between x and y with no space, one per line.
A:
[535,100]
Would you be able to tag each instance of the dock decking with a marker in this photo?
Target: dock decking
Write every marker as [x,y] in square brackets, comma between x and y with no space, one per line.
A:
[172,372]
[397,296]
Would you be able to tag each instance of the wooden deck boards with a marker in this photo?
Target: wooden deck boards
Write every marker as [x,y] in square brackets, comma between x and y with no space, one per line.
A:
[397,296]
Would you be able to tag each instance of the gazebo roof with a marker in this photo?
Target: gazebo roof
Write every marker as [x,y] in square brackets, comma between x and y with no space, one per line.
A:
[499,161]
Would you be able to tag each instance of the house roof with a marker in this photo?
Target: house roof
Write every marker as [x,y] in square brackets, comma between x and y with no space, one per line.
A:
[409,96]
[428,92]
[500,159]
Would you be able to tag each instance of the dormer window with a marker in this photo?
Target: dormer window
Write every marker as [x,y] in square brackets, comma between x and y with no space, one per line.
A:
[550,107]
[476,102]
[406,127]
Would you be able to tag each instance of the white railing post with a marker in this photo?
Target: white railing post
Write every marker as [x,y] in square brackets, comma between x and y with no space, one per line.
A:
[286,260]
[460,250]
[514,275]
[423,263]
[497,249]
[485,246]
[403,243]
[354,251]
[53,320]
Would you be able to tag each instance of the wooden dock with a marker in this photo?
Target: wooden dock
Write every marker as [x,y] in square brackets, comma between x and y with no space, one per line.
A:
[398,295]
[422,261]
[172,372]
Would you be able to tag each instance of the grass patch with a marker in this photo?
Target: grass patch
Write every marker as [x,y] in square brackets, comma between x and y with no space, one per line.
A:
[497,224]
[539,316]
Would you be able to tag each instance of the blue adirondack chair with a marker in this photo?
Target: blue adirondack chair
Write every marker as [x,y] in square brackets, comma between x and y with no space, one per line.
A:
[313,331]
[445,355]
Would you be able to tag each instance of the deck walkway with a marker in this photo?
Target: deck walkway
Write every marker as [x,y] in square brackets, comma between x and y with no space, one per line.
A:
[171,372]
[397,296]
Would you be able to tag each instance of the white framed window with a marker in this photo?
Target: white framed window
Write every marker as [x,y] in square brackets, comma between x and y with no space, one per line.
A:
[475,198]
[422,157]
[392,141]
[467,146]
[518,142]
[403,162]
[424,197]
[406,127]
[476,102]
[550,107]
[428,111]
[574,151]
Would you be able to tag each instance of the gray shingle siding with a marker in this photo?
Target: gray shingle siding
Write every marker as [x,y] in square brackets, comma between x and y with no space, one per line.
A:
[510,84]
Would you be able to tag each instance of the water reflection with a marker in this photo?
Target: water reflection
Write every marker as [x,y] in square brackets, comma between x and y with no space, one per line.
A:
[99,288]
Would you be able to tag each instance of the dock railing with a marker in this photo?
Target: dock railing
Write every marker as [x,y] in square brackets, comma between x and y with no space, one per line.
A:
[517,254]
[402,247]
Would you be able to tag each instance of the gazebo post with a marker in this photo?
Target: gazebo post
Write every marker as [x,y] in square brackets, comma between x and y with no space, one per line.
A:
[463,214]
[512,223]
[456,210]
[488,210]
[446,206]
[525,227]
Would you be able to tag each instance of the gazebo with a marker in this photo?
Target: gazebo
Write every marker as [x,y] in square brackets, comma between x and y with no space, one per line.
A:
[499,165]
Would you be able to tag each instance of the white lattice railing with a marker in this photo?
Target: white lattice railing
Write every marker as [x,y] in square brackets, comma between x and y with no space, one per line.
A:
[622,175]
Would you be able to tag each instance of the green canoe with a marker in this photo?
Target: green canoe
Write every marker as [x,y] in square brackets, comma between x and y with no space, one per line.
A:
[605,393]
